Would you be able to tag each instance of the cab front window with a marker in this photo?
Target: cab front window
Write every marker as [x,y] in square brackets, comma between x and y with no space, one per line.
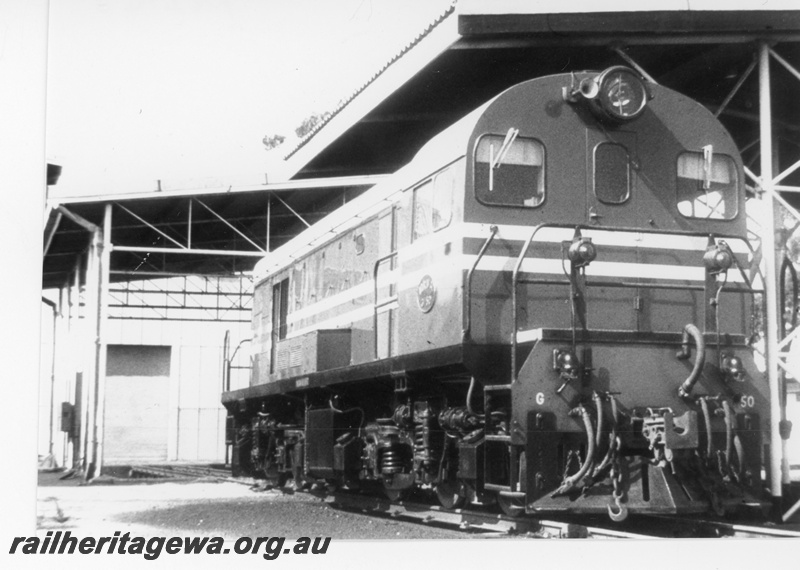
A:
[509,171]
[707,185]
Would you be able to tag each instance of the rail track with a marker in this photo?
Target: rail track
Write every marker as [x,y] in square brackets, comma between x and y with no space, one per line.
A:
[482,523]
[485,523]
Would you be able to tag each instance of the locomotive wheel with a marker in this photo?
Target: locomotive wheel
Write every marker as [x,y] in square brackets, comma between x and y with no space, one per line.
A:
[449,495]
[283,479]
[511,506]
[395,495]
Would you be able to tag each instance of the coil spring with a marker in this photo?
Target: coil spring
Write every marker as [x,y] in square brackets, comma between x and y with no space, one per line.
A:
[421,431]
[391,460]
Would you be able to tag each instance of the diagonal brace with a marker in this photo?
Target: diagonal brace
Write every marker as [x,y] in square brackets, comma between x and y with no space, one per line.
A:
[292,210]
[636,66]
[736,87]
[231,226]
[151,226]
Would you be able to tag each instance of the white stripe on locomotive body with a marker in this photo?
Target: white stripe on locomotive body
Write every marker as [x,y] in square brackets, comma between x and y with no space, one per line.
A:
[344,320]
[619,269]
[405,281]
[347,296]
[601,237]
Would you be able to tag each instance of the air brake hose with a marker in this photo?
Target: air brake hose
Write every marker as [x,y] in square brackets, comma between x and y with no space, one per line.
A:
[726,407]
[700,344]
[570,481]
[707,420]
[598,402]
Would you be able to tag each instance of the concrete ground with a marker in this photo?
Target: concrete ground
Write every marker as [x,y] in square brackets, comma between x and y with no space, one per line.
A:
[206,507]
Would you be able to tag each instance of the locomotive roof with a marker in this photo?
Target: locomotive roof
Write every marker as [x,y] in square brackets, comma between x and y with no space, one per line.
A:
[443,149]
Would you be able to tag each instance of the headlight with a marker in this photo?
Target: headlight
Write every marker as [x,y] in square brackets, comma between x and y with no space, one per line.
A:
[617,94]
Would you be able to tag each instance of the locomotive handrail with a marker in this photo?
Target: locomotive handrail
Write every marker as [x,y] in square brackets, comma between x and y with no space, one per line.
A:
[227,360]
[526,247]
[376,305]
[514,276]
[467,328]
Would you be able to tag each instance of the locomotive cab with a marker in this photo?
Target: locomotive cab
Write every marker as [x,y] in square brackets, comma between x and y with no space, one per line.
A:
[634,251]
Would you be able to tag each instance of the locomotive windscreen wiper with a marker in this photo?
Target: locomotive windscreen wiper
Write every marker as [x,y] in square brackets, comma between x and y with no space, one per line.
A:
[511,136]
[496,161]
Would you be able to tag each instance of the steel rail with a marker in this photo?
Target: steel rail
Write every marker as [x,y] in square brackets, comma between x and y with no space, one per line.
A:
[473,520]
[487,522]
[730,529]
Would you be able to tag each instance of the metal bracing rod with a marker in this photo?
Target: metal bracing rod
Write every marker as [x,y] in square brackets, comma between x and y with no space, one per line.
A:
[772,191]
[786,173]
[791,511]
[256,217]
[784,63]
[231,226]
[48,240]
[636,66]
[186,251]
[777,445]
[151,226]
[84,223]
[167,295]
[299,217]
[788,369]
[748,146]
[781,188]
[736,87]
[789,338]
[167,274]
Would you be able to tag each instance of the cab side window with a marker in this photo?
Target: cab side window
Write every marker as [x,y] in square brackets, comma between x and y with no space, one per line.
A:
[433,203]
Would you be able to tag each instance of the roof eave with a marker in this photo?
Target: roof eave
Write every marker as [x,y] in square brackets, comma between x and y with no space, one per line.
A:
[441,36]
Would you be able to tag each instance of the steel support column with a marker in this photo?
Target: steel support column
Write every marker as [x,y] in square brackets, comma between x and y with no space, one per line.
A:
[52,436]
[104,258]
[777,445]
[76,433]
[90,370]
[65,383]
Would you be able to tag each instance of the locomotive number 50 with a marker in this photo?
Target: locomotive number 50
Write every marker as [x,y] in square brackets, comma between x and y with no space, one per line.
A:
[747,401]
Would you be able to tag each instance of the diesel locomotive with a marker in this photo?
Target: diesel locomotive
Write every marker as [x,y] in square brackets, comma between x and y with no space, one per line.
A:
[551,308]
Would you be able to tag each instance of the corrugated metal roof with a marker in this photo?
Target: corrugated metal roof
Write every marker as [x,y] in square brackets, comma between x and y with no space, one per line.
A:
[405,49]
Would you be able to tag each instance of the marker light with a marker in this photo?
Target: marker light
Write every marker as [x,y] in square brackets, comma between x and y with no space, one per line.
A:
[717,259]
[582,251]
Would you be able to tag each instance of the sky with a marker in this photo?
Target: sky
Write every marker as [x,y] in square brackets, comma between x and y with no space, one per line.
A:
[184,91]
